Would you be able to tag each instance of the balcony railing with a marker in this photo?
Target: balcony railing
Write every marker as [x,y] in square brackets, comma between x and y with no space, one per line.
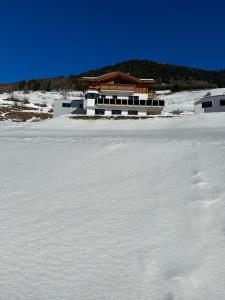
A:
[125,102]
[117,87]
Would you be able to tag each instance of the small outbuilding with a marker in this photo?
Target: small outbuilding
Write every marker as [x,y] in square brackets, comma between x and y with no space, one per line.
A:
[210,104]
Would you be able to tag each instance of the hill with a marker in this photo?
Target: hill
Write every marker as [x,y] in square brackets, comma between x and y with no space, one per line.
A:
[167,76]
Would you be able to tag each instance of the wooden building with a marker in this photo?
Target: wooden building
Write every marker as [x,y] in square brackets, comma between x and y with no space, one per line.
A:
[119,93]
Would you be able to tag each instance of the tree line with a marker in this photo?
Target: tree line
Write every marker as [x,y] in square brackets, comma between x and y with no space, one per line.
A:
[167,76]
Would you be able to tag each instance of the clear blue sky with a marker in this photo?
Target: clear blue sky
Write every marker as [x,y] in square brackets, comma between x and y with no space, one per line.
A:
[48,38]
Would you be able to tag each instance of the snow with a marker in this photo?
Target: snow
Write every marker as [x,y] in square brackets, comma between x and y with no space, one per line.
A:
[184,101]
[39,97]
[126,209]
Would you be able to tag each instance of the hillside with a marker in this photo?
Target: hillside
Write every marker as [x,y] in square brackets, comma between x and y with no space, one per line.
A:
[34,105]
[167,76]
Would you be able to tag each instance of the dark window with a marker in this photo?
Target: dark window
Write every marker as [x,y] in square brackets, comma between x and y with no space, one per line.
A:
[161,103]
[113,101]
[136,102]
[155,103]
[99,111]
[136,97]
[206,104]
[106,101]
[124,101]
[116,112]
[149,102]
[91,96]
[66,105]
[142,102]
[132,112]
[114,96]
[222,102]
[81,105]
[118,101]
[130,100]
[100,101]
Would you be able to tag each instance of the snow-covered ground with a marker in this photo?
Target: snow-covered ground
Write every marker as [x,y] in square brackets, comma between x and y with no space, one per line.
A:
[38,98]
[113,209]
[184,101]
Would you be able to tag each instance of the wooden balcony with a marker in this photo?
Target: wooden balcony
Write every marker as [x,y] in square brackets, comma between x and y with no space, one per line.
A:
[117,87]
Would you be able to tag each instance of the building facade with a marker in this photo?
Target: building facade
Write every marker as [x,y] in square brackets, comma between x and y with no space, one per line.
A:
[66,106]
[113,94]
[210,104]
[118,93]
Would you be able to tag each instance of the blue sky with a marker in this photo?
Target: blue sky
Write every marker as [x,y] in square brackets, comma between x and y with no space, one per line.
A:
[52,38]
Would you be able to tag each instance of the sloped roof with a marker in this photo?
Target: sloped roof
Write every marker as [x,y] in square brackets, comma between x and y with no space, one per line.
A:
[112,75]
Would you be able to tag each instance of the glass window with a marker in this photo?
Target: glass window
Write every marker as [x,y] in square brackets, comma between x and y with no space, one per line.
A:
[124,101]
[100,101]
[142,102]
[149,102]
[106,101]
[155,103]
[113,101]
[81,105]
[161,103]
[222,102]
[99,111]
[91,96]
[132,112]
[118,101]
[116,112]
[130,101]
[206,104]
[66,105]
[136,97]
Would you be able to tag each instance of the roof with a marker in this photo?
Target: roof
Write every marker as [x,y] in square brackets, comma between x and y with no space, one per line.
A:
[117,73]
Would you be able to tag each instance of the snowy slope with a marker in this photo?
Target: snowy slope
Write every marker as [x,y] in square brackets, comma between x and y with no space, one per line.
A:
[183,101]
[39,97]
[113,209]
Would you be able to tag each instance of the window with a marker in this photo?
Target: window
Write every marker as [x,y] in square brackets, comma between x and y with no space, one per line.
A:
[136,102]
[222,102]
[100,101]
[91,96]
[118,101]
[161,103]
[206,104]
[116,112]
[149,102]
[136,97]
[81,105]
[106,101]
[113,101]
[155,103]
[130,100]
[66,105]
[142,102]
[99,111]
[124,101]
[132,112]
[114,96]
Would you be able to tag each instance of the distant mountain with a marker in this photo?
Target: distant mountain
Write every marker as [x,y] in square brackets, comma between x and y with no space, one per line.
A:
[167,76]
